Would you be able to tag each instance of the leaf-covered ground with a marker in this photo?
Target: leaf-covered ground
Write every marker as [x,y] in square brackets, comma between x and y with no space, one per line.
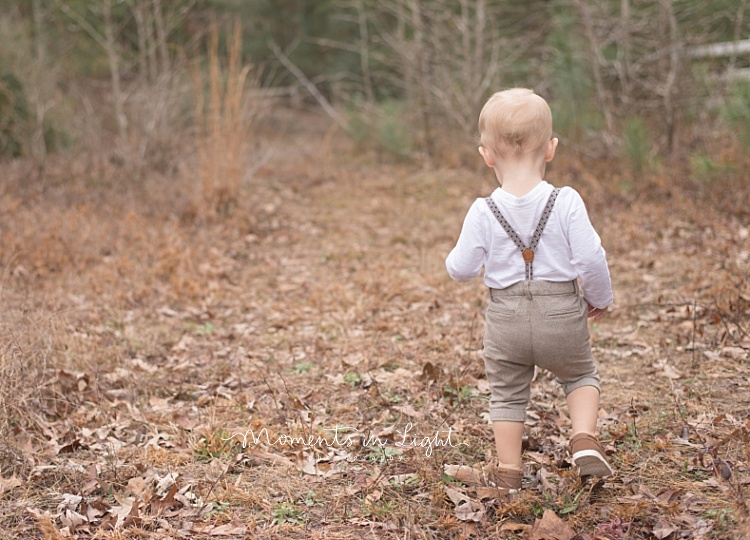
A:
[304,368]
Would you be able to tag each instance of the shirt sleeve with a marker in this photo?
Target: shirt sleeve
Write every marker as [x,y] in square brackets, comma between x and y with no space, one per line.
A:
[466,259]
[589,257]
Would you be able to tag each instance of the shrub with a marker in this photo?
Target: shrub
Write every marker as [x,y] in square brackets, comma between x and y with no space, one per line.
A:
[28,88]
[13,112]
[637,145]
[736,111]
[383,127]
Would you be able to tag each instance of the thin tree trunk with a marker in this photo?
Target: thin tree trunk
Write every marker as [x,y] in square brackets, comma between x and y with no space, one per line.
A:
[161,36]
[38,25]
[480,50]
[601,94]
[421,23]
[38,144]
[364,52]
[670,84]
[740,17]
[136,8]
[114,71]
[625,42]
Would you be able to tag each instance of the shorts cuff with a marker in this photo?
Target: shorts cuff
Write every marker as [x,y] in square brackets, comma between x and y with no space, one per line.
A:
[587,381]
[507,415]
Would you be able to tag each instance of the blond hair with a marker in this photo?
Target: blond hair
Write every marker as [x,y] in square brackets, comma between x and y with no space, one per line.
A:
[515,121]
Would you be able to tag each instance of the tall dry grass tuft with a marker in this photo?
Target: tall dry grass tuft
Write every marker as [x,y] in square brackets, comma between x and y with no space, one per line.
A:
[222,119]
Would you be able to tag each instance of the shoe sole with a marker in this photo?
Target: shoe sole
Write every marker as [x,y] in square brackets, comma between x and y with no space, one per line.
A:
[591,463]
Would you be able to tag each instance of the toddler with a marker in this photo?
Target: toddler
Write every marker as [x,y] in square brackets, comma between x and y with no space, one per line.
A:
[534,241]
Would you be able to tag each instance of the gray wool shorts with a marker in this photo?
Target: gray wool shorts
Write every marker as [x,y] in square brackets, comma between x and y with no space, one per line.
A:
[535,323]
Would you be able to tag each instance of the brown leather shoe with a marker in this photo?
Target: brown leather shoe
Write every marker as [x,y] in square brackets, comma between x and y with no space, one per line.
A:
[589,456]
[507,480]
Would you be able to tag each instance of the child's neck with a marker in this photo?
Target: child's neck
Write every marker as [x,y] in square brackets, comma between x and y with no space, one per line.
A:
[519,177]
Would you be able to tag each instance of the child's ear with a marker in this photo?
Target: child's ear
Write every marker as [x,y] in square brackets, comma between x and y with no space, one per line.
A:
[487,155]
[551,147]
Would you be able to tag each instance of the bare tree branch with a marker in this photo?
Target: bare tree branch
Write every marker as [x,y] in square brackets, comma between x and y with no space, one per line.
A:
[309,85]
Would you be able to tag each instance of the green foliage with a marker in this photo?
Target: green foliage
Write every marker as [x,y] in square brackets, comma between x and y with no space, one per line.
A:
[545,40]
[571,95]
[706,170]
[13,112]
[570,503]
[381,508]
[392,397]
[380,454]
[717,19]
[383,127]
[27,86]
[352,378]
[460,395]
[637,145]
[736,111]
[287,513]
[303,367]
[295,25]
[217,444]
[310,499]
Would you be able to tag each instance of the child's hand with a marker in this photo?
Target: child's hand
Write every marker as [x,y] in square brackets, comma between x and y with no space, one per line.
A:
[596,313]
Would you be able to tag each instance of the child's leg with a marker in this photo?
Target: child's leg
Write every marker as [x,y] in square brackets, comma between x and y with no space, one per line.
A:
[508,439]
[588,454]
[507,474]
[583,407]
[508,360]
[563,347]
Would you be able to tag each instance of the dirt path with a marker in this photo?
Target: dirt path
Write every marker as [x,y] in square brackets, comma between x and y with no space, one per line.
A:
[159,349]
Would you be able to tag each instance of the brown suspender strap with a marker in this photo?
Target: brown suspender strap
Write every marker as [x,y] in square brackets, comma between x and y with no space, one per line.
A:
[526,251]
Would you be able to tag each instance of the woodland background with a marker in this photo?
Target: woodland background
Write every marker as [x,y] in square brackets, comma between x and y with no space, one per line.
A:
[218,216]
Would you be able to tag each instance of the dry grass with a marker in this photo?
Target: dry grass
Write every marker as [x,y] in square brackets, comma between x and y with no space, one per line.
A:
[222,120]
[136,341]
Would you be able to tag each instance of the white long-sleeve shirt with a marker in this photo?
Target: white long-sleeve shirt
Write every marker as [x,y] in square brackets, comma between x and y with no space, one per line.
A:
[568,249]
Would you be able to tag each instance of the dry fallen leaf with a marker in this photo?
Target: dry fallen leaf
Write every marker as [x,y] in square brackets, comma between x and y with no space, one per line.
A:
[408,410]
[69,502]
[137,486]
[401,479]
[229,529]
[515,527]
[430,373]
[662,529]
[722,469]
[386,526]
[736,353]
[123,513]
[551,527]
[306,463]
[45,521]
[464,473]
[7,484]
[467,509]
[161,506]
[374,495]
[669,495]
[470,511]
[71,519]
[141,364]
[485,492]
[133,517]
[671,372]
[165,483]
[456,496]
